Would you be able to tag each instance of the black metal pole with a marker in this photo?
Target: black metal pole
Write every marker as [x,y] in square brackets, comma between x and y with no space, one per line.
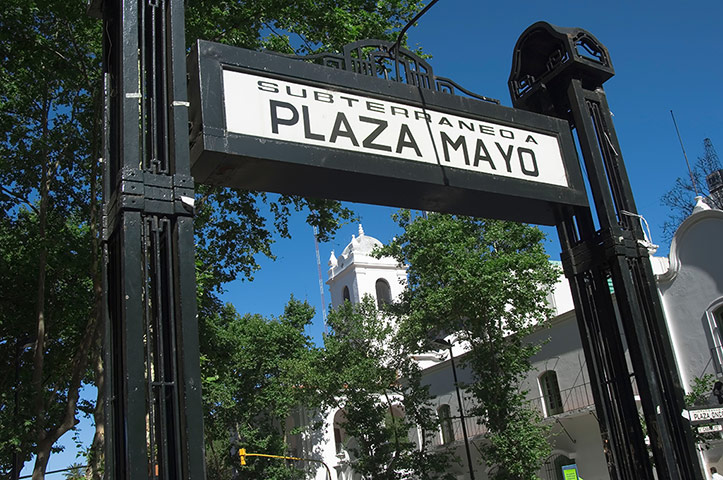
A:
[560,72]
[461,413]
[636,294]
[600,334]
[154,426]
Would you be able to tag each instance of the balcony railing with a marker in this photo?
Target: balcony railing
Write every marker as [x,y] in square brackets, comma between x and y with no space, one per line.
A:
[573,399]
[453,431]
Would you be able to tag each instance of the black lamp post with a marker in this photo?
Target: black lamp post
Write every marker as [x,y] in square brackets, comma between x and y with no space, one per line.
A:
[445,344]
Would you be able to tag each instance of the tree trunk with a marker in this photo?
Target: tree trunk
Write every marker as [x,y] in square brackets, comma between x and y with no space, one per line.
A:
[41,460]
[96,457]
[47,438]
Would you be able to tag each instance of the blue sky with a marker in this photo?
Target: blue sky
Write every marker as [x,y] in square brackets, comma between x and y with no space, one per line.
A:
[667,56]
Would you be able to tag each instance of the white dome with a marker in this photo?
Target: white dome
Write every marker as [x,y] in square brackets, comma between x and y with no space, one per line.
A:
[361,245]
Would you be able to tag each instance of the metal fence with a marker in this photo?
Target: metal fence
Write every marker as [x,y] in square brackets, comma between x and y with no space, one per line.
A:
[574,398]
[454,432]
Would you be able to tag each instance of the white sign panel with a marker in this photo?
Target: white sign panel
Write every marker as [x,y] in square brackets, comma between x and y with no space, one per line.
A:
[703,415]
[275,109]
[710,428]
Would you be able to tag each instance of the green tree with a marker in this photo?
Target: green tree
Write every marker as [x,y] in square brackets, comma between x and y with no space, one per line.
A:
[18,261]
[301,27]
[249,369]
[485,282]
[681,197]
[48,199]
[231,229]
[365,372]
[75,472]
[40,410]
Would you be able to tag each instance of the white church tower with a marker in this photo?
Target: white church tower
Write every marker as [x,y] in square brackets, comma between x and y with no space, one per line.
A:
[356,273]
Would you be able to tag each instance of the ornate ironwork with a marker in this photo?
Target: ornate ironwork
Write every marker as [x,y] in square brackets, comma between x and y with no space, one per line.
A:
[546,54]
[380,58]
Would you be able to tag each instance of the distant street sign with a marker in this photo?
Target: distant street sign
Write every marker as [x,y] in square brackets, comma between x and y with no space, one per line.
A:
[701,415]
[710,428]
[273,123]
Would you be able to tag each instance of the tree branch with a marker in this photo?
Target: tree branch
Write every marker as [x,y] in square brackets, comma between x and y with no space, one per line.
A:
[19,199]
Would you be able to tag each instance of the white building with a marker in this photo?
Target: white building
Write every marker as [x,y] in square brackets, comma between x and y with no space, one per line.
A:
[355,273]
[690,283]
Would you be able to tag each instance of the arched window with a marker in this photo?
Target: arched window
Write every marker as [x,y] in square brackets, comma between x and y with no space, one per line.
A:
[291,433]
[384,293]
[394,424]
[551,393]
[715,320]
[345,294]
[445,423]
[340,436]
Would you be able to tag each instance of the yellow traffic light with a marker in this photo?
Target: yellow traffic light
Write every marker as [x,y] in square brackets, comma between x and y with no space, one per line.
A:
[242,455]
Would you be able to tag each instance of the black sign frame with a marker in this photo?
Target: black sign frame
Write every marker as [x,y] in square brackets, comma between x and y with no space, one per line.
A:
[225,158]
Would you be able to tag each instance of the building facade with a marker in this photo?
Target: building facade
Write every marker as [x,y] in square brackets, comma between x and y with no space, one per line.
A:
[690,284]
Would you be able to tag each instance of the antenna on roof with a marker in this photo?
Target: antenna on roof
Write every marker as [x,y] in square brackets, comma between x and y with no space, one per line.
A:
[321,282]
[692,179]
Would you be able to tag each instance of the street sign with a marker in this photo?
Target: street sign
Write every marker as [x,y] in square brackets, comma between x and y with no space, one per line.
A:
[710,428]
[273,123]
[292,112]
[704,414]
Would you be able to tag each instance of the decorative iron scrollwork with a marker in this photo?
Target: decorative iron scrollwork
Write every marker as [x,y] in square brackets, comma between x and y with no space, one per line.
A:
[545,53]
[379,58]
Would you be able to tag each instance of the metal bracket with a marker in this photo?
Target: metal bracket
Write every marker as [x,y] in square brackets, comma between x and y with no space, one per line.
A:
[153,194]
[605,246]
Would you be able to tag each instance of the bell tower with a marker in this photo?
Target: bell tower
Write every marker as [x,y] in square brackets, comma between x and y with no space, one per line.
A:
[356,273]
